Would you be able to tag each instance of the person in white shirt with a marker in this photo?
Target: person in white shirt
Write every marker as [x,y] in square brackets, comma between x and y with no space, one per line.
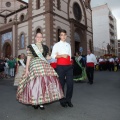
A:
[117,63]
[62,52]
[111,64]
[101,61]
[90,63]
[6,69]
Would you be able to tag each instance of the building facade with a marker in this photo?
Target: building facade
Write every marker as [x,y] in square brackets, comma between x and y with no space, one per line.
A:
[19,26]
[104,29]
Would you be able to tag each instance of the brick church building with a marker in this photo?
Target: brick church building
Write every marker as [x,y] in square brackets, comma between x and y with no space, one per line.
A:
[19,22]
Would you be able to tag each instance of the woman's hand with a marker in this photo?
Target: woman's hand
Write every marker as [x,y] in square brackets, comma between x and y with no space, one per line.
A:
[26,73]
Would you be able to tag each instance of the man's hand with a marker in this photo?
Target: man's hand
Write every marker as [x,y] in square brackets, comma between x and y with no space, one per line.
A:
[64,55]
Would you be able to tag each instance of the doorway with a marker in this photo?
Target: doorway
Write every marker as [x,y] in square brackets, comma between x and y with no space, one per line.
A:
[77,41]
[77,45]
[7,50]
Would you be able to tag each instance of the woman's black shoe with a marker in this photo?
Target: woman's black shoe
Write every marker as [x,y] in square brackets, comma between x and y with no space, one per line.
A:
[35,106]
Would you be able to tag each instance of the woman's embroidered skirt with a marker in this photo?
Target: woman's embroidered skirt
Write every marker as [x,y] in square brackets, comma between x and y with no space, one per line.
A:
[40,86]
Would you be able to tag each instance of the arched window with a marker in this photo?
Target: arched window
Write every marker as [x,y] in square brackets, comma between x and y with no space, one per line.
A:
[22,41]
[58,32]
[37,4]
[38,31]
[77,11]
[58,4]
[22,18]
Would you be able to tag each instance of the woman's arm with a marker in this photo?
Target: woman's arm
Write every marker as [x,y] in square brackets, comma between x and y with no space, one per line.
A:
[17,66]
[27,66]
[29,56]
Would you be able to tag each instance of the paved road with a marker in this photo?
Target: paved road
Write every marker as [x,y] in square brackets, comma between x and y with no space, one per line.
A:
[100,101]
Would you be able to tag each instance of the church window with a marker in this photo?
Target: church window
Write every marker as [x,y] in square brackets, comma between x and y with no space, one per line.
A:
[77,11]
[22,41]
[22,18]
[8,4]
[58,4]
[37,4]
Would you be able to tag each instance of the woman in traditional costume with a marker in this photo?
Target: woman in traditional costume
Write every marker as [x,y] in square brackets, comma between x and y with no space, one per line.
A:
[79,71]
[20,69]
[40,83]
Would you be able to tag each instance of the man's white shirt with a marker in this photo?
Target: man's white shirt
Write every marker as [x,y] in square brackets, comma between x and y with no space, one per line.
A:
[61,48]
[111,60]
[91,58]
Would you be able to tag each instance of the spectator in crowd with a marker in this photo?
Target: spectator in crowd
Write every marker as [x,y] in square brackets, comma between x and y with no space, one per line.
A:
[20,69]
[2,64]
[11,64]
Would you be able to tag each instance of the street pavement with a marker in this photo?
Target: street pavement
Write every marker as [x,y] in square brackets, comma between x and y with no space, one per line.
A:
[100,101]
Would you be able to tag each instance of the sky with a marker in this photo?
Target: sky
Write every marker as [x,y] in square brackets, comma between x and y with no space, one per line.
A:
[114,5]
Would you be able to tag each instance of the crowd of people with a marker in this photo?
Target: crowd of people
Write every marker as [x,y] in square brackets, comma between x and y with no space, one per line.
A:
[109,63]
[40,78]
[9,66]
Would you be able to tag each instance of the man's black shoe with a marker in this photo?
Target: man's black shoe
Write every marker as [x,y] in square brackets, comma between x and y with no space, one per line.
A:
[91,83]
[63,104]
[69,104]
[88,82]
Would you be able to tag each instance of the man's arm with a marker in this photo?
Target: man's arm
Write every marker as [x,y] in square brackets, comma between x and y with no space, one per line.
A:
[95,60]
[55,53]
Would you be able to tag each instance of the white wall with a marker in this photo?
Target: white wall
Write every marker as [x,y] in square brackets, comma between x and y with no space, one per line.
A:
[101,35]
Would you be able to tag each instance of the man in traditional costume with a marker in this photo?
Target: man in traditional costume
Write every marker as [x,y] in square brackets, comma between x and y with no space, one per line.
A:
[90,63]
[111,64]
[62,52]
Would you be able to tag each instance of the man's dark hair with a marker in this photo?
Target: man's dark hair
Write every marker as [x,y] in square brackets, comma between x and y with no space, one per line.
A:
[62,31]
